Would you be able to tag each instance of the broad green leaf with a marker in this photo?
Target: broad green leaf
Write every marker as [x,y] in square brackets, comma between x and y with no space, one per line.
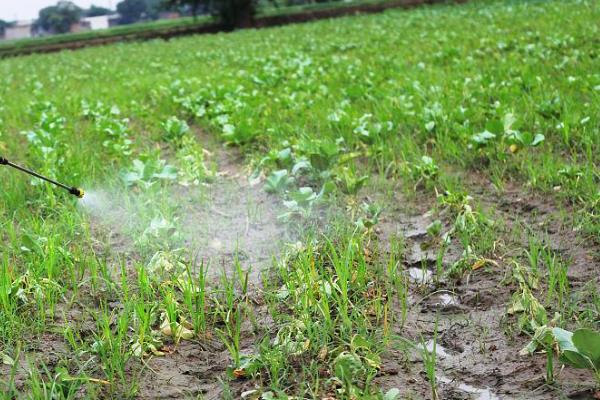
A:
[168,172]
[495,126]
[576,360]
[587,342]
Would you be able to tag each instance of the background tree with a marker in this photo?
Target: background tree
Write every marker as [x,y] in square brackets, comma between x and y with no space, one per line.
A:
[59,18]
[95,11]
[132,10]
[3,26]
[153,8]
[183,5]
[235,13]
[231,13]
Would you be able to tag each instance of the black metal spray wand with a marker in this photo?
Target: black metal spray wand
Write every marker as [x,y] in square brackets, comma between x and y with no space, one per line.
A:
[71,189]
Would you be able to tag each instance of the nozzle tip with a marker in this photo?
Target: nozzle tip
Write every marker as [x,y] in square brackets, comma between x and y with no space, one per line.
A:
[77,192]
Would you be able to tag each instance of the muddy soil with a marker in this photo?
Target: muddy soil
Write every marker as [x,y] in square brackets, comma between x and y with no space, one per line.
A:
[477,348]
[478,353]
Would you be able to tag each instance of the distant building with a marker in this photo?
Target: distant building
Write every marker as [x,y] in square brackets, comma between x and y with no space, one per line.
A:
[100,22]
[79,26]
[169,15]
[19,30]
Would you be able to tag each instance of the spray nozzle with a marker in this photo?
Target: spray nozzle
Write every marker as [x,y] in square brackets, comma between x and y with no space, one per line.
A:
[77,192]
[73,190]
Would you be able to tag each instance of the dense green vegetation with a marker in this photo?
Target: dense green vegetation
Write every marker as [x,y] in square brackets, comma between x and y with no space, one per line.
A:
[447,108]
[140,30]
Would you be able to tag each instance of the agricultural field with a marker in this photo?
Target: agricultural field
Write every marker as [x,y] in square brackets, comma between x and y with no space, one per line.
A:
[169,28]
[394,206]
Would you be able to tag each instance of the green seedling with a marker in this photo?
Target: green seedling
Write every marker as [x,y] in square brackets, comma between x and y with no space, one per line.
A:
[278,181]
[302,201]
[579,349]
[370,217]
[175,130]
[429,356]
[425,170]
[349,182]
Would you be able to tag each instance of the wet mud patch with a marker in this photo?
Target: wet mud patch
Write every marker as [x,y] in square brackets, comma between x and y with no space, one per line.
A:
[477,350]
[546,217]
[44,351]
[188,370]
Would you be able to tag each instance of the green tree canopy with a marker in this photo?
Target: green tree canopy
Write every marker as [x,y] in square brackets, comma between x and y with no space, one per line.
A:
[3,25]
[59,18]
[95,11]
[132,10]
[231,13]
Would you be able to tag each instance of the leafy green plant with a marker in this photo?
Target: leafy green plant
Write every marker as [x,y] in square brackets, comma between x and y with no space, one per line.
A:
[321,154]
[278,181]
[348,367]
[424,170]
[193,169]
[579,349]
[161,231]
[506,132]
[370,217]
[348,181]
[148,171]
[302,201]
[175,129]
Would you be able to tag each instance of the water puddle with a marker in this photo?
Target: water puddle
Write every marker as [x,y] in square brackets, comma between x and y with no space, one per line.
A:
[421,276]
[478,393]
[440,351]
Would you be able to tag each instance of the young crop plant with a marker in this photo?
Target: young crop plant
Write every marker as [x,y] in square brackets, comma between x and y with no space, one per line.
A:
[424,171]
[113,128]
[579,349]
[147,171]
[175,130]
[192,165]
[335,321]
